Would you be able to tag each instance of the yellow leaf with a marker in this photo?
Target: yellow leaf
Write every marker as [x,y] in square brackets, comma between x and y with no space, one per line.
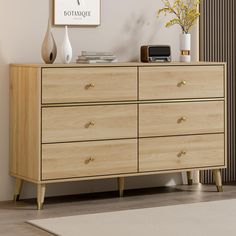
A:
[185,13]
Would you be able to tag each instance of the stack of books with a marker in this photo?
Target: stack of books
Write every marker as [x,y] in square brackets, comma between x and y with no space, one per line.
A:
[96,57]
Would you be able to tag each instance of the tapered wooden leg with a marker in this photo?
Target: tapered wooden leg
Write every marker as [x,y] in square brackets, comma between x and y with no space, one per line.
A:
[18,187]
[121,186]
[218,180]
[41,188]
[190,177]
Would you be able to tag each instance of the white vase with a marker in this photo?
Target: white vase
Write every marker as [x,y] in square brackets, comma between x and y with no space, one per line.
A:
[66,50]
[185,47]
[80,2]
[49,48]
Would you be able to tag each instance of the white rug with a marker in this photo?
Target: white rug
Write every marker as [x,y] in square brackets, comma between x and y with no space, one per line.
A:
[198,219]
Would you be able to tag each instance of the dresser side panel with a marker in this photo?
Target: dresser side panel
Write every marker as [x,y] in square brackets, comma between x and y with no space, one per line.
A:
[226,114]
[25,122]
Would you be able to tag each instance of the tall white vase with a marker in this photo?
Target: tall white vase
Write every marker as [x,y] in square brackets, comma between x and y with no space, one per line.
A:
[49,48]
[80,2]
[66,50]
[185,47]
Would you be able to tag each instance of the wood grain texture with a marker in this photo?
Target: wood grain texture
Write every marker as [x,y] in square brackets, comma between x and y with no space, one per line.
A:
[108,110]
[120,64]
[190,177]
[217,177]
[18,188]
[66,124]
[155,172]
[181,118]
[72,160]
[218,180]
[181,152]
[226,122]
[41,190]
[25,130]
[181,82]
[121,185]
[63,85]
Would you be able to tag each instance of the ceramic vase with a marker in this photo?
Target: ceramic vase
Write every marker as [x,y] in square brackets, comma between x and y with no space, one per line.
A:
[49,48]
[66,50]
[80,2]
[185,47]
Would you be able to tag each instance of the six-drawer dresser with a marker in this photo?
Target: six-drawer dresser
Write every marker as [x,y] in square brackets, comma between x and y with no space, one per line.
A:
[83,122]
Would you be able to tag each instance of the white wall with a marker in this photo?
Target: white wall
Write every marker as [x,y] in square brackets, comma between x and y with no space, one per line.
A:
[125,26]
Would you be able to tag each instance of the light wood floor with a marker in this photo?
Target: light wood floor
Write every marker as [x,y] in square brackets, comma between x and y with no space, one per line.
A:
[13,216]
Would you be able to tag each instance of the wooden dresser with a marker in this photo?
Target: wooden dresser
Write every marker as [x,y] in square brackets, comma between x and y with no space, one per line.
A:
[81,122]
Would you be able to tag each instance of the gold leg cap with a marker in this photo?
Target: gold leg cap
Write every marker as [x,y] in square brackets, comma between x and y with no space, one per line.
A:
[40,206]
[16,198]
[121,194]
[219,188]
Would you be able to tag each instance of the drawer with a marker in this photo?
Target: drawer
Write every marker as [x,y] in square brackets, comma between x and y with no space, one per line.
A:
[181,118]
[175,82]
[69,85]
[183,152]
[71,160]
[80,123]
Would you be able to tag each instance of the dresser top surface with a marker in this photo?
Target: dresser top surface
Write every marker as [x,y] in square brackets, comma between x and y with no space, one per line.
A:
[123,64]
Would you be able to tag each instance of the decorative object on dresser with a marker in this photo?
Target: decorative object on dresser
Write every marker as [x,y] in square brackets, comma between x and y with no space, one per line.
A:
[186,13]
[66,50]
[96,57]
[49,48]
[155,53]
[86,122]
[185,47]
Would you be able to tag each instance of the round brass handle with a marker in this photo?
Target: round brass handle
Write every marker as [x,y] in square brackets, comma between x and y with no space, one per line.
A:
[181,154]
[90,124]
[91,159]
[88,86]
[181,120]
[182,83]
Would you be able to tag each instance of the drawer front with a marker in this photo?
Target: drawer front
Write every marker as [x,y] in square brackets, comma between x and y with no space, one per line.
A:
[71,160]
[183,152]
[174,82]
[67,124]
[181,118]
[69,85]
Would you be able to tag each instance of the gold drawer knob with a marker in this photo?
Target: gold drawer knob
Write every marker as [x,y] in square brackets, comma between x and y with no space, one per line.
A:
[182,83]
[88,86]
[90,124]
[181,120]
[89,160]
[181,154]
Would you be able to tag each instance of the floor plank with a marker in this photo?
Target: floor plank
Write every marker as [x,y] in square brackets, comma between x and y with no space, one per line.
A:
[14,215]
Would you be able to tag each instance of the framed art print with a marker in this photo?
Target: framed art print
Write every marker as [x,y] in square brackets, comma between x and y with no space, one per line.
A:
[77,12]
